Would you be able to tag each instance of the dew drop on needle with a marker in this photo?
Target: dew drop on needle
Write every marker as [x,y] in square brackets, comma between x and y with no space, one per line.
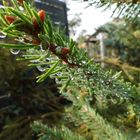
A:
[14,51]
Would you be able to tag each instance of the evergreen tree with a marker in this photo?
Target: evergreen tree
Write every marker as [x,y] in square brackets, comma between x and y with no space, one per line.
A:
[104,106]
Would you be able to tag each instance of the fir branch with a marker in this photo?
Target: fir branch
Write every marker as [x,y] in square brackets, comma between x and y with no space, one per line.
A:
[99,128]
[55,133]
[72,69]
[129,9]
[18,46]
[78,69]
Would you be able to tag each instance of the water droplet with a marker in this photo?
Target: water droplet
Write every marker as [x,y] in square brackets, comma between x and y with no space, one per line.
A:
[14,51]
[57,80]
[78,70]
[108,82]
[78,97]
[117,95]
[129,89]
[59,74]
[48,59]
[70,61]
[41,68]
[2,35]
[28,38]
[34,61]
[83,62]
[41,47]
[121,98]
[94,72]
[125,93]
[21,8]
[20,39]
[114,101]
[102,82]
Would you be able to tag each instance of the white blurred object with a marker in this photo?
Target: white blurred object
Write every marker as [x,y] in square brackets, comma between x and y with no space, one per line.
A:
[66,1]
[102,48]
[63,0]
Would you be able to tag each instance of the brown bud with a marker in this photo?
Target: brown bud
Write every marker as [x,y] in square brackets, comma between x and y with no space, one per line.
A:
[65,51]
[10,19]
[20,1]
[41,14]
[36,41]
[35,24]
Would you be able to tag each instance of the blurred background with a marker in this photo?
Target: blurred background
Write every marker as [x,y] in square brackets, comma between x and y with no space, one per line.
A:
[107,36]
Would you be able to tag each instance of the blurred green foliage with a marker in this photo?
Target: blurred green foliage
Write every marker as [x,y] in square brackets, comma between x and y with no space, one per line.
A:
[22,100]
